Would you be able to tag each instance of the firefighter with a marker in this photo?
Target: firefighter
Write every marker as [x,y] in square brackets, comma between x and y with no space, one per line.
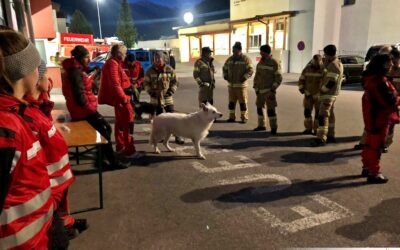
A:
[114,83]
[26,203]
[203,74]
[237,70]
[160,83]
[380,111]
[330,88]
[394,75]
[309,86]
[268,78]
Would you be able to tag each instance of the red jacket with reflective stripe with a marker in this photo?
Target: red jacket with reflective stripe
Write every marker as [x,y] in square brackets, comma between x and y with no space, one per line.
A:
[379,103]
[54,145]
[113,82]
[77,90]
[25,200]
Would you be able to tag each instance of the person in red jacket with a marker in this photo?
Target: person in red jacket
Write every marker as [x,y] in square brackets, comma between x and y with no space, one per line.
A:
[26,203]
[135,73]
[56,151]
[379,105]
[82,103]
[113,83]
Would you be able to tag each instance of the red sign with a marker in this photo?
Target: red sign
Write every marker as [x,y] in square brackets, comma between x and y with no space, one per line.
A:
[71,38]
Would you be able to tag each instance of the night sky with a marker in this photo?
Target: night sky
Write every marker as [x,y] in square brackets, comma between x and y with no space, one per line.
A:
[153,18]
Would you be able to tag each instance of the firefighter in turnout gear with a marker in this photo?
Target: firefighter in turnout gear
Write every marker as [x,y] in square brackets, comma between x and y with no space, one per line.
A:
[394,75]
[309,86]
[237,70]
[160,83]
[267,79]
[330,88]
[203,73]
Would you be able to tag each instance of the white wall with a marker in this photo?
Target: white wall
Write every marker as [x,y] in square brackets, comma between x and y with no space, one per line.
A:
[327,20]
[384,26]
[354,27]
[173,44]
[301,29]
[241,9]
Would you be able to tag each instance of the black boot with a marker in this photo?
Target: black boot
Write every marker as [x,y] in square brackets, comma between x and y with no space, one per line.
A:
[318,143]
[274,131]
[377,179]
[260,128]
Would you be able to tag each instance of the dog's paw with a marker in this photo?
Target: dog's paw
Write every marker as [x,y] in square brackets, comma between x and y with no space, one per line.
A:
[171,149]
[157,151]
[201,157]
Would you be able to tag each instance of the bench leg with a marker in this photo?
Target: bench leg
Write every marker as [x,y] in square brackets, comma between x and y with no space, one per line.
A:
[77,155]
[100,168]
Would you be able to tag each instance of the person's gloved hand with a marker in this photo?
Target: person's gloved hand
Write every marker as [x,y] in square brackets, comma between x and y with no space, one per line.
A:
[206,84]
[169,93]
[226,78]
[302,91]
[257,91]
[243,79]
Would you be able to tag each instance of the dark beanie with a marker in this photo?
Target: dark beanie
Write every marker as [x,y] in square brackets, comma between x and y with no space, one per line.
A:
[330,50]
[237,45]
[79,52]
[266,49]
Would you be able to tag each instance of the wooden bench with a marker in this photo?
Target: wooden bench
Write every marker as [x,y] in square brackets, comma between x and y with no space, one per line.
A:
[81,134]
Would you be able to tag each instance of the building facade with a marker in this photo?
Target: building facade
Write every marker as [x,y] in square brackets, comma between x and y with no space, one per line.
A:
[295,29]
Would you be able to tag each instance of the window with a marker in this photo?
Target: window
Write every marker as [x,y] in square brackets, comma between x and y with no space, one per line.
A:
[255,41]
[348,2]
[142,56]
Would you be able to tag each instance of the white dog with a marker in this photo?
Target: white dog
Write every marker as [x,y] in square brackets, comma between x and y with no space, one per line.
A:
[194,126]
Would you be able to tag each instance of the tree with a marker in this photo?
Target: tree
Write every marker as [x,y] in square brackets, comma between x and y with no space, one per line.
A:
[79,24]
[126,30]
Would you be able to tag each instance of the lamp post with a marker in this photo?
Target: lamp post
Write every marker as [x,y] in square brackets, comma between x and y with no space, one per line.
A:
[98,16]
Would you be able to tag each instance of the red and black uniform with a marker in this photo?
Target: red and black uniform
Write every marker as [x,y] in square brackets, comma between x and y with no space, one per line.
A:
[57,159]
[82,103]
[26,202]
[135,73]
[379,105]
[113,82]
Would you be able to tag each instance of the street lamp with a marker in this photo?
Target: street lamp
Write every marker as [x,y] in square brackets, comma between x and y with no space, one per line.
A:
[188,17]
[98,16]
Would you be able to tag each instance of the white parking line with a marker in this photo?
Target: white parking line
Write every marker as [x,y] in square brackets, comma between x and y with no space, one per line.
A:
[310,219]
[227,166]
[182,151]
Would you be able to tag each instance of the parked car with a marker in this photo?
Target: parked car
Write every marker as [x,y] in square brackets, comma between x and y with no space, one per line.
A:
[144,56]
[353,67]
[99,61]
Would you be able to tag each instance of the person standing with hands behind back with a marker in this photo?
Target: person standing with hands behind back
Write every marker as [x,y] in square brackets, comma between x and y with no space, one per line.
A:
[203,73]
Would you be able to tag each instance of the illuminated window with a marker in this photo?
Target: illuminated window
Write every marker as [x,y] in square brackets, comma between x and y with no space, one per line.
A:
[255,41]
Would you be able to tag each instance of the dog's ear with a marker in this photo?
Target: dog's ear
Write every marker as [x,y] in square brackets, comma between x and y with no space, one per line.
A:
[204,107]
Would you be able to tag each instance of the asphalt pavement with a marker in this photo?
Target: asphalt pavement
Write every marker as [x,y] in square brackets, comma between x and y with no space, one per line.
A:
[254,190]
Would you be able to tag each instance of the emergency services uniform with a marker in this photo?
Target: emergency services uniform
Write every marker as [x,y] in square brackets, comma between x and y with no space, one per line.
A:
[331,84]
[266,81]
[203,73]
[113,83]
[237,72]
[310,85]
[161,84]
[26,203]
[394,75]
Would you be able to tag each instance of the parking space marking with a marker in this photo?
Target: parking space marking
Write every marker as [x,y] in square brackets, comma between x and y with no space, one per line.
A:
[309,220]
[245,162]
[189,150]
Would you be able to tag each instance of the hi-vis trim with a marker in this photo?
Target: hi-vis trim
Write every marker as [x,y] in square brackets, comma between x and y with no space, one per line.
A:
[333,75]
[60,180]
[313,74]
[11,214]
[32,152]
[58,165]
[52,131]
[265,67]
[26,233]
[16,158]
[263,91]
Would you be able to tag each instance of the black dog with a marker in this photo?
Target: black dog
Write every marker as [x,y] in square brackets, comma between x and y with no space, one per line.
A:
[144,108]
